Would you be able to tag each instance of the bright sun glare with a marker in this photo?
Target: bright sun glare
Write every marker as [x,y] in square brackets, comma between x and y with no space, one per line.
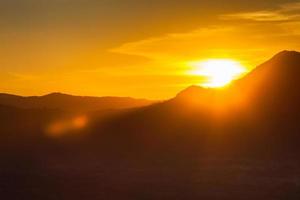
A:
[219,72]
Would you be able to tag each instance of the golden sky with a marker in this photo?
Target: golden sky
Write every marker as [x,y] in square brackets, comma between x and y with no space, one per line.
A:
[138,48]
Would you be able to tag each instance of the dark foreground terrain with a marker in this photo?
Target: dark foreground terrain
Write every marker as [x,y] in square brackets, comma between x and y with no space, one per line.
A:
[95,178]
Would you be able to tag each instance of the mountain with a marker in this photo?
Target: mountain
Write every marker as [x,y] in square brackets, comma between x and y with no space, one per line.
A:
[270,89]
[31,118]
[264,101]
[241,142]
[271,85]
[72,103]
[260,110]
[274,82]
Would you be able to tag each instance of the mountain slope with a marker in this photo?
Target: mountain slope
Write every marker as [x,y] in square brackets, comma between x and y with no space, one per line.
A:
[257,112]
[274,83]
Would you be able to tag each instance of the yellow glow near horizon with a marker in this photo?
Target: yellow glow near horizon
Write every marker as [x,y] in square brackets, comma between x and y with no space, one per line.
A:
[219,72]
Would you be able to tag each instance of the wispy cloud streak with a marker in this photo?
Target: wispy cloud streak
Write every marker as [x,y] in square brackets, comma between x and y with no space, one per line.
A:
[284,12]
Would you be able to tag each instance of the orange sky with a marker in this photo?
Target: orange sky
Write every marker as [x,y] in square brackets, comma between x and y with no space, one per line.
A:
[134,48]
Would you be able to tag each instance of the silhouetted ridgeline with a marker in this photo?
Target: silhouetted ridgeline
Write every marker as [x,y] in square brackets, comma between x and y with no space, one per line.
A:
[72,103]
[238,143]
[258,115]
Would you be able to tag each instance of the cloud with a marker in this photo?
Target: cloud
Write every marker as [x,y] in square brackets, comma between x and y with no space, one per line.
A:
[22,76]
[260,16]
[222,41]
[285,12]
[182,44]
[290,7]
[225,39]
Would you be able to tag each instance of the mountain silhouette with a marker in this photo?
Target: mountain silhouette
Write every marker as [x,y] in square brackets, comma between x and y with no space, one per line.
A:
[240,142]
[252,113]
[72,103]
[274,83]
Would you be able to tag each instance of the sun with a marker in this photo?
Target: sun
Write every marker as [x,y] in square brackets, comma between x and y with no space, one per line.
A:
[218,72]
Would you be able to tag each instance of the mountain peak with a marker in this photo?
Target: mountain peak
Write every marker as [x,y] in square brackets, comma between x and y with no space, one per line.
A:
[283,64]
[193,91]
[287,57]
[196,95]
[55,94]
[287,53]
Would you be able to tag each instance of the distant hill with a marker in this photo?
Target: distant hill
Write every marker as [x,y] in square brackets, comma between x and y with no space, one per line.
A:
[72,103]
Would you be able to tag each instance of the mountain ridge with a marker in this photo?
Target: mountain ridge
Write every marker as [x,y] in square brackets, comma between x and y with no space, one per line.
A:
[71,102]
[176,145]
